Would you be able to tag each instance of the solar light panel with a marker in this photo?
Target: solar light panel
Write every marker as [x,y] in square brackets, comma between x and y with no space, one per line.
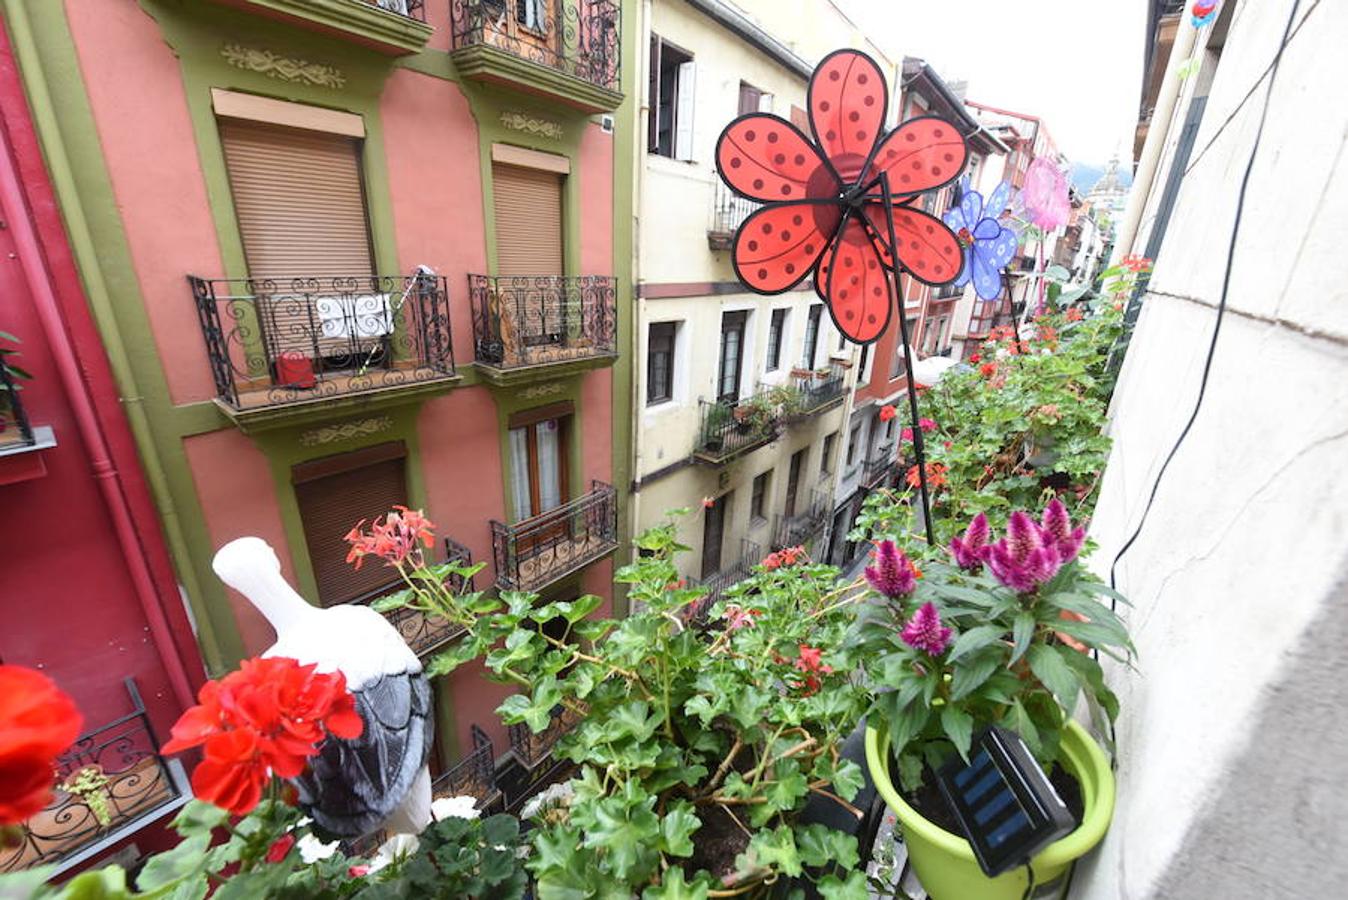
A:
[1006,807]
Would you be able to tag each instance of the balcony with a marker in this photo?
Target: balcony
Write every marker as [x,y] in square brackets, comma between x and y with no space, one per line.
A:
[751,554]
[729,210]
[879,468]
[530,326]
[111,782]
[563,50]
[541,550]
[729,428]
[473,776]
[531,750]
[286,350]
[15,431]
[393,27]
[812,392]
[805,525]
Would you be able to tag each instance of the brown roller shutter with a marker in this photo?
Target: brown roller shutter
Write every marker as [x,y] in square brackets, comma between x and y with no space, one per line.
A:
[332,498]
[528,220]
[298,198]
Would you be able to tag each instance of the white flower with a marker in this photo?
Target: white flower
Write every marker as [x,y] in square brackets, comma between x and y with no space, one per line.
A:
[559,794]
[397,847]
[312,849]
[454,807]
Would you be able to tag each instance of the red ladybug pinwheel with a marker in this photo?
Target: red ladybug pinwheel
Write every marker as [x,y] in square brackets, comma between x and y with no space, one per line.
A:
[824,206]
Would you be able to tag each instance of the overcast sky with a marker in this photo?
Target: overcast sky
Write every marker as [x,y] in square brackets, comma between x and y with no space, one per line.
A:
[1077,64]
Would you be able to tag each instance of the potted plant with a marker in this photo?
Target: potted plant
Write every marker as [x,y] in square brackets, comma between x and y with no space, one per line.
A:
[714,426]
[697,748]
[1000,634]
[10,375]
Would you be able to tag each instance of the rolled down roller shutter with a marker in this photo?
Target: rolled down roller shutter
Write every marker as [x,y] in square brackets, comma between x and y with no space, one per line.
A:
[528,220]
[334,494]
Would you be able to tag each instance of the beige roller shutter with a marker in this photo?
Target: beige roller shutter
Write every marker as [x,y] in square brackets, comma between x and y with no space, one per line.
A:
[528,220]
[298,198]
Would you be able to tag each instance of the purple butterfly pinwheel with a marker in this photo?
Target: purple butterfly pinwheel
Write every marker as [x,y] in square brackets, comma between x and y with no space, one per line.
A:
[988,244]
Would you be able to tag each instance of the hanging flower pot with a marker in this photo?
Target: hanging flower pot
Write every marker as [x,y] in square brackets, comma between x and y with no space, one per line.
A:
[945,863]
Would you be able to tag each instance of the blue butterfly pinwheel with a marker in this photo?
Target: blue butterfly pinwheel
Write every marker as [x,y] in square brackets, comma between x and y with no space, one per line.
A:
[988,244]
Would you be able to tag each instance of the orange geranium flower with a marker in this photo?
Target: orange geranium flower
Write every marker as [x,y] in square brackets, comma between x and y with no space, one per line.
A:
[935,476]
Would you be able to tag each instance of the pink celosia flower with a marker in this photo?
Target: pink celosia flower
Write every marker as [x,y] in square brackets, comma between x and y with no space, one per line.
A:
[926,424]
[1057,528]
[906,434]
[925,632]
[1026,558]
[892,574]
[970,550]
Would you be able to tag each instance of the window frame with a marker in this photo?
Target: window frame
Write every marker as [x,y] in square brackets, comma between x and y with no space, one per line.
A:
[651,355]
[741,319]
[683,82]
[758,497]
[776,338]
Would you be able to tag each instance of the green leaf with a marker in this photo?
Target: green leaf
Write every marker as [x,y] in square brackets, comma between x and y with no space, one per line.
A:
[1099,587]
[186,859]
[853,888]
[1055,674]
[959,727]
[774,849]
[975,639]
[627,830]
[579,608]
[673,887]
[1023,725]
[971,674]
[199,817]
[1021,634]
[820,845]
[677,827]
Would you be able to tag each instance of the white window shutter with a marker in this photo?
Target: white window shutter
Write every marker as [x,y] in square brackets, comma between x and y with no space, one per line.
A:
[765,103]
[683,116]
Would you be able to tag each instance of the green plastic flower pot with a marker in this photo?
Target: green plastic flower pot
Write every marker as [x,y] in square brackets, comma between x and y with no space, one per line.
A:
[945,862]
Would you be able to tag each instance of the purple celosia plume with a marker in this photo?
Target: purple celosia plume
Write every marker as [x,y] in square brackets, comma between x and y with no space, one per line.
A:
[925,632]
[970,549]
[1026,558]
[1057,528]
[892,574]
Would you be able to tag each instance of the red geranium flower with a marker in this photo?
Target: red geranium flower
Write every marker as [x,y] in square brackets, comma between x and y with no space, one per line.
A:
[1073,314]
[267,718]
[37,721]
[935,476]
[988,369]
[888,412]
[280,847]
[825,210]
[810,663]
[974,357]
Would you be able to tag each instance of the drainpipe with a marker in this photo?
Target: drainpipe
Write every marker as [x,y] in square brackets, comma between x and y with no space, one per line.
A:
[1154,146]
[91,431]
[639,306]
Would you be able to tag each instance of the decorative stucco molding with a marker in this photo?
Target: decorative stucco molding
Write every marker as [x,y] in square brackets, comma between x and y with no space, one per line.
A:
[518,121]
[542,390]
[345,430]
[283,68]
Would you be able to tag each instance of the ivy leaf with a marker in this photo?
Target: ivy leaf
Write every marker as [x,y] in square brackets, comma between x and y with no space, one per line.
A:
[186,859]
[847,778]
[820,845]
[677,827]
[673,887]
[579,608]
[1055,674]
[853,888]
[1021,634]
[959,727]
[747,705]
[630,720]
[782,794]
[627,830]
[772,849]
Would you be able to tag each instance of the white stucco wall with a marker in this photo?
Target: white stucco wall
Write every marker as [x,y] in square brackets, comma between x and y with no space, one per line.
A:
[1244,552]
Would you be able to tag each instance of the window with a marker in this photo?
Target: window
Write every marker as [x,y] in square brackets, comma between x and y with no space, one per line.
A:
[332,493]
[753,100]
[931,340]
[660,363]
[758,503]
[732,354]
[538,463]
[852,443]
[863,375]
[793,481]
[826,457]
[776,330]
[713,535]
[531,14]
[812,335]
[889,430]
[898,367]
[528,205]
[670,129]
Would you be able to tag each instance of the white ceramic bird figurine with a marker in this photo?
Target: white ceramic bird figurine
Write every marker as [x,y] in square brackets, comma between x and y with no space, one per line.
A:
[380,779]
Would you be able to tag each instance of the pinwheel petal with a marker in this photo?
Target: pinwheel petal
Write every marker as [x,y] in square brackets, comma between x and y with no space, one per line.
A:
[971,204]
[987,229]
[764,157]
[966,270]
[857,288]
[848,97]
[998,200]
[1002,248]
[987,278]
[920,155]
[928,249]
[777,246]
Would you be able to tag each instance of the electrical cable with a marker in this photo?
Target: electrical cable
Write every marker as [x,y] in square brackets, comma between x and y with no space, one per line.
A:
[1221,304]
[1029,888]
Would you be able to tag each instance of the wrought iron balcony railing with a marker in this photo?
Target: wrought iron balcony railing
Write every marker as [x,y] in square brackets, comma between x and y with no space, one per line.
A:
[532,749]
[109,780]
[473,776]
[15,430]
[413,9]
[580,38]
[879,467]
[728,212]
[813,393]
[804,525]
[278,341]
[423,632]
[751,554]
[538,551]
[532,320]
[729,428]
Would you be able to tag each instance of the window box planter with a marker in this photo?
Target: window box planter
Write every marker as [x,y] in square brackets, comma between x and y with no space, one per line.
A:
[944,862]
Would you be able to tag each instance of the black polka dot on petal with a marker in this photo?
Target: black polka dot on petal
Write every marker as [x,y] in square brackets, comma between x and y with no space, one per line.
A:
[834,75]
[762,273]
[750,135]
[772,137]
[735,162]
